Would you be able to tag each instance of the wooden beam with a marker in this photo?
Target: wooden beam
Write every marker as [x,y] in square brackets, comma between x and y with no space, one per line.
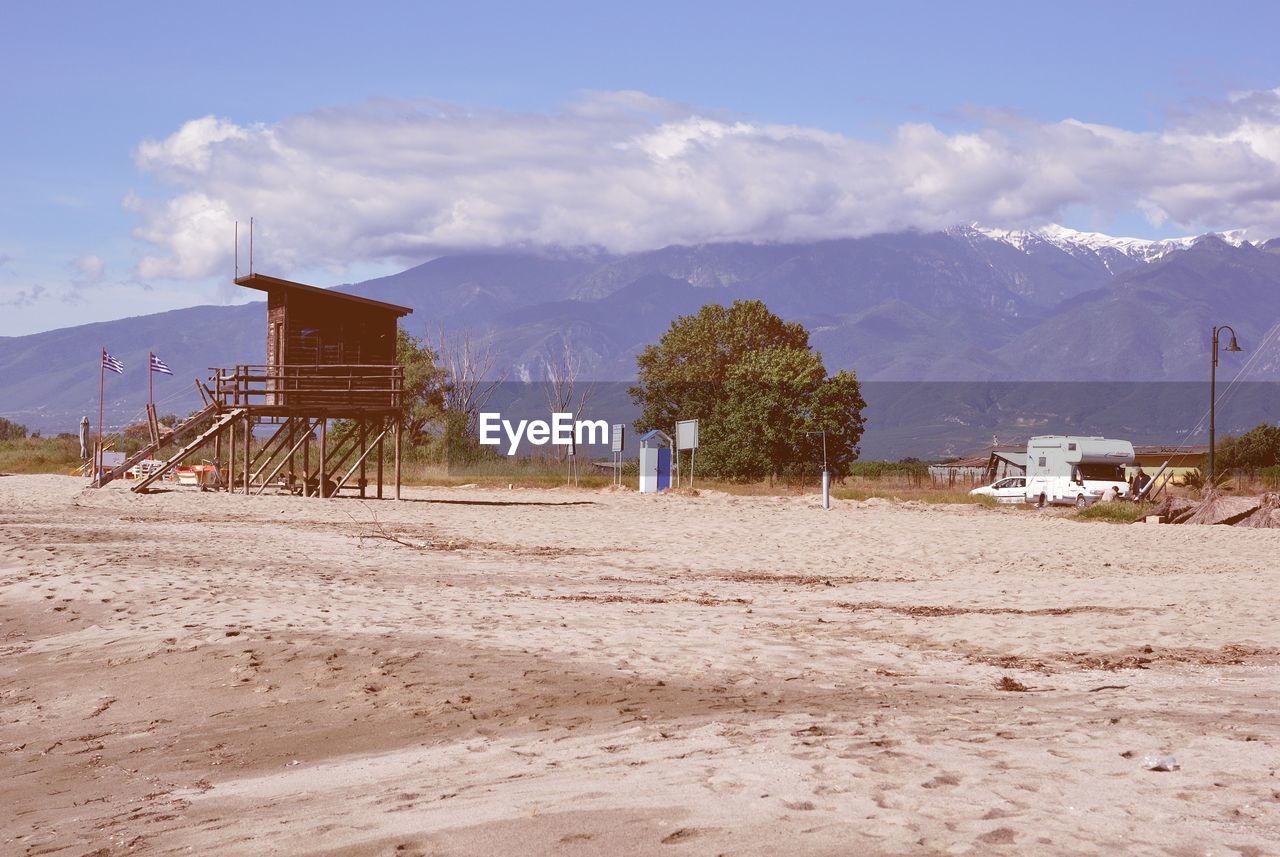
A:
[384,431]
[399,431]
[343,450]
[288,460]
[248,447]
[364,445]
[266,454]
[324,433]
[231,456]
[306,460]
[359,464]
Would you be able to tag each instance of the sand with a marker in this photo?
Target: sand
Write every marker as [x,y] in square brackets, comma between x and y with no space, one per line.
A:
[603,673]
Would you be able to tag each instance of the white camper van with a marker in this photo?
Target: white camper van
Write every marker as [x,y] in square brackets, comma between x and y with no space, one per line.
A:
[1075,470]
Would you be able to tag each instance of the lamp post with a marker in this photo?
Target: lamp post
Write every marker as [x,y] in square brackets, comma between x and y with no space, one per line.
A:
[1213,387]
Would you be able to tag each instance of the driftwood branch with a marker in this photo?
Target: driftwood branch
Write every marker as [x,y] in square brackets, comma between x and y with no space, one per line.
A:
[379,531]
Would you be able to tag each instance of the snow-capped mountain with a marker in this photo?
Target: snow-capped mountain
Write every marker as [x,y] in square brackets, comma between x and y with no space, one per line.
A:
[968,304]
[1116,253]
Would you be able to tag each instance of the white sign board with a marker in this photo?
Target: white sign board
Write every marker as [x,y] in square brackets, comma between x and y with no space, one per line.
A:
[619,437]
[687,434]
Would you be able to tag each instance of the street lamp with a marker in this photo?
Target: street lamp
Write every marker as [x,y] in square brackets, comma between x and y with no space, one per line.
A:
[1213,386]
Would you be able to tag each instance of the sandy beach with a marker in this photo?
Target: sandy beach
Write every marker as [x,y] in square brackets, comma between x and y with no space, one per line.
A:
[604,673]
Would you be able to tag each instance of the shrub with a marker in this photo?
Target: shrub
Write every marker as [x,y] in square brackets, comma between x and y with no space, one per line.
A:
[1119,513]
[10,430]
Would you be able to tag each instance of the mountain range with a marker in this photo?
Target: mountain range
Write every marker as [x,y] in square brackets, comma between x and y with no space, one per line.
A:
[967,304]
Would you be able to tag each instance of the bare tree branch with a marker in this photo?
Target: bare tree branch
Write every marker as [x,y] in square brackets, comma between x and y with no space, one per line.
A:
[471,377]
[565,393]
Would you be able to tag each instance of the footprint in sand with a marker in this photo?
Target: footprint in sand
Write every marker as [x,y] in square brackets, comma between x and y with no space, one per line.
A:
[940,781]
[684,834]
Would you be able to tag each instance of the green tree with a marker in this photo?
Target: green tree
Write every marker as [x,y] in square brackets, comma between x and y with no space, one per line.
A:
[762,394]
[1258,447]
[422,398]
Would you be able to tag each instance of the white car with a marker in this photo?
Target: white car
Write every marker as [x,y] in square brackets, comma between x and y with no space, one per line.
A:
[1011,489]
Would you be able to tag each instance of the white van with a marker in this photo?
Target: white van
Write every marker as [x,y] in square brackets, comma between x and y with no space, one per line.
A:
[1075,470]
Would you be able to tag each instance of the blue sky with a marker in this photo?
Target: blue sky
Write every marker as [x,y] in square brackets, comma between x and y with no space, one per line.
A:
[86,85]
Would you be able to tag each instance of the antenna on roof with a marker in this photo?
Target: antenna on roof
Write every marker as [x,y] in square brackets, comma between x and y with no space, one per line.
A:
[250,246]
[237,247]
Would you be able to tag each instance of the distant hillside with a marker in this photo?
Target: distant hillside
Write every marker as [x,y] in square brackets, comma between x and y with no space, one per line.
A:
[49,380]
[961,305]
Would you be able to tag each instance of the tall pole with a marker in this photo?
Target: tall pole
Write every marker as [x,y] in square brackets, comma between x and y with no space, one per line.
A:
[826,474]
[102,386]
[380,436]
[151,387]
[231,457]
[399,431]
[1213,399]
[364,445]
[248,443]
[324,442]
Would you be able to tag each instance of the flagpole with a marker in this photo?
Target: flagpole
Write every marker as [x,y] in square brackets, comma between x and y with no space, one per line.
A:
[102,385]
[151,388]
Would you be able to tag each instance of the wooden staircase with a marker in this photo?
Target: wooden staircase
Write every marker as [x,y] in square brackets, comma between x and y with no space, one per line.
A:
[143,454]
[222,422]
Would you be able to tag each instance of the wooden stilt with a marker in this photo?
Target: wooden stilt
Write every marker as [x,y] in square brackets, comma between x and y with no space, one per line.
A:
[364,453]
[229,472]
[293,448]
[380,464]
[248,451]
[306,458]
[324,423]
[399,432]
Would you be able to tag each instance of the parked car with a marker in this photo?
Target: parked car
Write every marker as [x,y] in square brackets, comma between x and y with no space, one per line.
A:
[1011,489]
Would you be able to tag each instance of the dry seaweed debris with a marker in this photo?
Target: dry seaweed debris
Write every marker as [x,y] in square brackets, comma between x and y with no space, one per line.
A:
[1215,507]
[1267,515]
[1175,510]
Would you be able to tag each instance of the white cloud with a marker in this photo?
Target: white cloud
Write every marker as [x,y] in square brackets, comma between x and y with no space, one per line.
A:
[89,269]
[627,171]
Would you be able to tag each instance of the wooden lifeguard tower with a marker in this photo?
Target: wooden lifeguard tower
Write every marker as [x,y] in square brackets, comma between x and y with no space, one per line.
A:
[330,356]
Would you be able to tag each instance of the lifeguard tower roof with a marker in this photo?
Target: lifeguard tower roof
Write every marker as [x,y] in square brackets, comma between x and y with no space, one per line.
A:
[263,283]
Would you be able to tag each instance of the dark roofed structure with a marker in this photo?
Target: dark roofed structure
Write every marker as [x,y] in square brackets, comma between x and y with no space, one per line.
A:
[330,356]
[309,326]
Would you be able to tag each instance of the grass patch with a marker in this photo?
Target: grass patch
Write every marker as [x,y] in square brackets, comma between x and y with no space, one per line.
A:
[40,455]
[1119,513]
[522,473]
[922,495]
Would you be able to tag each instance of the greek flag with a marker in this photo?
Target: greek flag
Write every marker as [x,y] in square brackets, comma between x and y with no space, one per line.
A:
[109,362]
[158,365]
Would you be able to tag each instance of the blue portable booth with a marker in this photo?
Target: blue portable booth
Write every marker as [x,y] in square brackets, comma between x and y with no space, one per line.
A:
[655,462]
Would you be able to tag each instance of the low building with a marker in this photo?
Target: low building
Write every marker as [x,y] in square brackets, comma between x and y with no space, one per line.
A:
[1181,459]
[982,468]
